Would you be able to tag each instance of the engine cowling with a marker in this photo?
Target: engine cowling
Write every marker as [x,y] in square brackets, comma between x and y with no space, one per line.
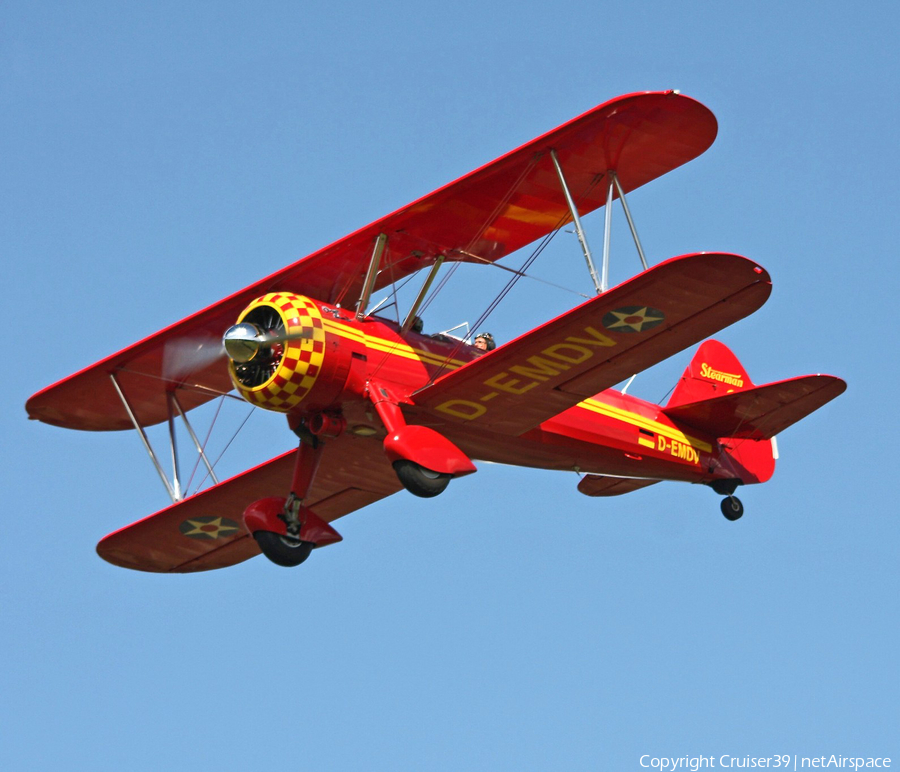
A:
[295,366]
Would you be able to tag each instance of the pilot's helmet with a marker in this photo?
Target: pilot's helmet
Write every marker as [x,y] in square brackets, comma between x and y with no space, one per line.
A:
[489,344]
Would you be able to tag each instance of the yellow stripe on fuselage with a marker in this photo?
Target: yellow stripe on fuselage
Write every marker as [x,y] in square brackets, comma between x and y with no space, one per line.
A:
[345,331]
[643,422]
[388,346]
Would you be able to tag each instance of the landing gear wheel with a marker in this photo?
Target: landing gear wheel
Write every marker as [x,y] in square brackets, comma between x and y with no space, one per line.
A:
[283,550]
[420,481]
[732,508]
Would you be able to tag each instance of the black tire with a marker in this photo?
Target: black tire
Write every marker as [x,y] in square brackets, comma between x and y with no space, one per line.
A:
[420,481]
[732,508]
[283,550]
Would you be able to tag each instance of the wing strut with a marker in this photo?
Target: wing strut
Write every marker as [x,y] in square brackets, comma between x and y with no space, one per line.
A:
[371,275]
[173,487]
[613,186]
[607,234]
[598,285]
[637,241]
[173,448]
[411,316]
[143,435]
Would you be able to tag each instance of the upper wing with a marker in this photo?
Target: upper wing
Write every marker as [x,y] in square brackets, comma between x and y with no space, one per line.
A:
[483,216]
[760,412]
[599,343]
[206,531]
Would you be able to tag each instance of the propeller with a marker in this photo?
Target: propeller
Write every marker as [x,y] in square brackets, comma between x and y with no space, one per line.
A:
[242,342]
[252,345]
[183,356]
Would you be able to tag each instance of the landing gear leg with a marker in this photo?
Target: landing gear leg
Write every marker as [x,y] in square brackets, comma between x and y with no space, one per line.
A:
[281,542]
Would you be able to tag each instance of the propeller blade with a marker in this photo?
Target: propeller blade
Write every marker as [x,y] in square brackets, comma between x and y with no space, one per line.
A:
[268,338]
[184,356]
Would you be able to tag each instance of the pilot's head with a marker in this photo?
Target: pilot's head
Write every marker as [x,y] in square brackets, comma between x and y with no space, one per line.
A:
[485,342]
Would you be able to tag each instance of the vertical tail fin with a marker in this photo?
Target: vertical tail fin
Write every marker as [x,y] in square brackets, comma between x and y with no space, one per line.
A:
[714,372]
[716,396]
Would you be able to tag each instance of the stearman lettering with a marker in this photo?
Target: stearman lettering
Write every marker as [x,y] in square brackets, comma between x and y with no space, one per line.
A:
[732,379]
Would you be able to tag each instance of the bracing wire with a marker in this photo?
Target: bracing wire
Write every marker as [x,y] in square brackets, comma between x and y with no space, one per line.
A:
[529,276]
[514,279]
[188,386]
[484,226]
[205,442]
[227,445]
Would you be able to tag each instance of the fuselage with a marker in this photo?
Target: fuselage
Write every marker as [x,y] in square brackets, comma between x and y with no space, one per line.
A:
[610,433]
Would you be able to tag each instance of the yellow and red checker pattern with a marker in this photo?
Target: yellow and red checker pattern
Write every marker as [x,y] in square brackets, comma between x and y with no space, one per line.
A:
[301,360]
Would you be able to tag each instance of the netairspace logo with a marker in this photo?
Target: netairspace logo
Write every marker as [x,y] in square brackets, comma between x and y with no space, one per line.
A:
[695,763]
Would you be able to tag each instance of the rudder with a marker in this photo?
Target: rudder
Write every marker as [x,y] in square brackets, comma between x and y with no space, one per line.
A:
[713,371]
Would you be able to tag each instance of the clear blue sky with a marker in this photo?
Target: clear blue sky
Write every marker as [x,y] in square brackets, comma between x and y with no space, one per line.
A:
[156,158]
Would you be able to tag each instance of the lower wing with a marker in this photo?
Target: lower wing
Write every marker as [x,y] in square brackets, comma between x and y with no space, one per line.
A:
[206,531]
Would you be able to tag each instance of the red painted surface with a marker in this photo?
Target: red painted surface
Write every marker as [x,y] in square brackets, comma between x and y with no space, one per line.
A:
[543,400]
[601,486]
[594,346]
[316,530]
[543,407]
[307,464]
[265,515]
[427,448]
[760,412]
[353,474]
[713,371]
[641,136]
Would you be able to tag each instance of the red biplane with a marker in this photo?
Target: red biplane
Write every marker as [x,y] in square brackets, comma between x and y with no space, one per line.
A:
[378,405]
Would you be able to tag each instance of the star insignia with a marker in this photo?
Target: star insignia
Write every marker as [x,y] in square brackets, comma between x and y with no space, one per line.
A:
[633,319]
[209,527]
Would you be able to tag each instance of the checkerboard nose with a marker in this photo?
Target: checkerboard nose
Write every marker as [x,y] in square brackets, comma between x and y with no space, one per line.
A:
[281,375]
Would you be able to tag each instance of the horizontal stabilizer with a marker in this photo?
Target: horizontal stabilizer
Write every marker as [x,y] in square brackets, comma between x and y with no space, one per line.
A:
[759,412]
[601,485]
[206,531]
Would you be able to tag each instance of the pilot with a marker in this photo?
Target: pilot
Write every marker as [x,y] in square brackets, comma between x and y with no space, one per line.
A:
[484,341]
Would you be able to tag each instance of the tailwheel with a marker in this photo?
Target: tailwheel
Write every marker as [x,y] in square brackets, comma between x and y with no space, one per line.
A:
[732,508]
[420,481]
[283,550]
